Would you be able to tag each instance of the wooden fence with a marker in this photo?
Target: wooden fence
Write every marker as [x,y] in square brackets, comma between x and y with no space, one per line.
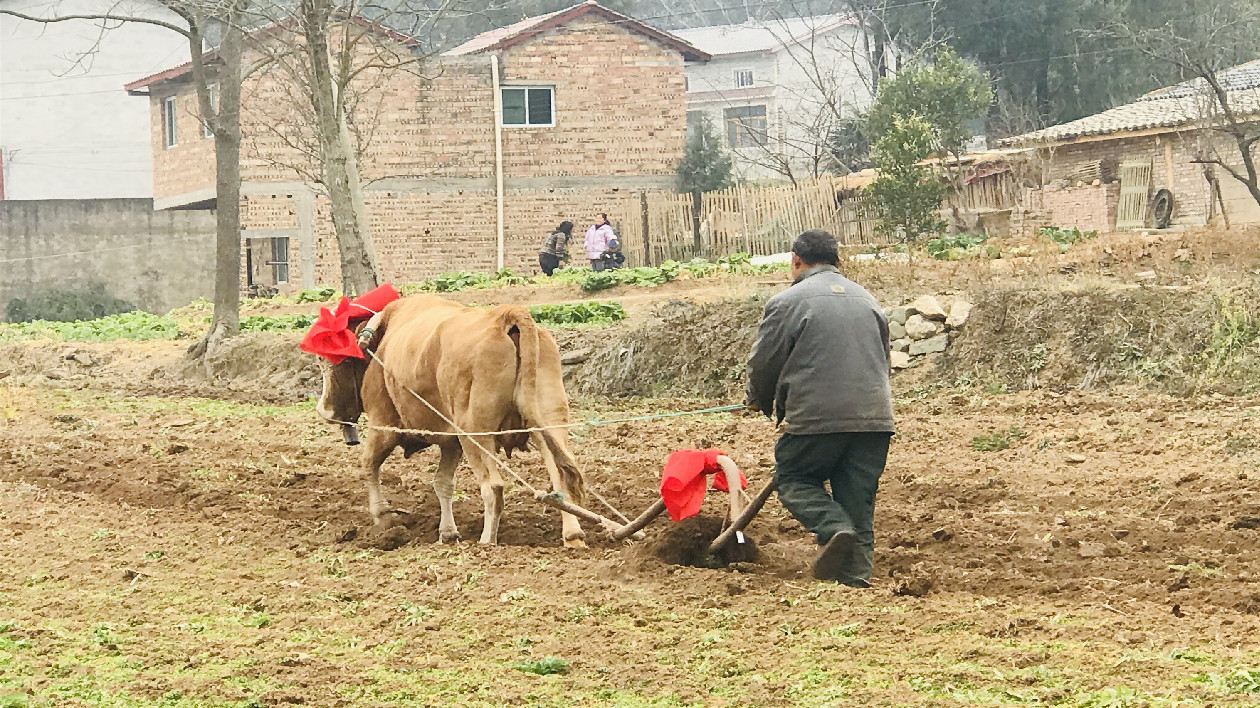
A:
[760,222]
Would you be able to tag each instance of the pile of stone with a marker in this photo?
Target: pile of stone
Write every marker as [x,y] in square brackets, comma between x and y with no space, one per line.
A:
[923,328]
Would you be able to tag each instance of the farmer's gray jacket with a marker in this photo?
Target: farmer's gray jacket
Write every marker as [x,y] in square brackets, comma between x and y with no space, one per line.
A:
[821,358]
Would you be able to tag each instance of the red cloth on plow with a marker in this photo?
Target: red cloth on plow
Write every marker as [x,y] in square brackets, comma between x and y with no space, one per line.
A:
[332,338]
[683,481]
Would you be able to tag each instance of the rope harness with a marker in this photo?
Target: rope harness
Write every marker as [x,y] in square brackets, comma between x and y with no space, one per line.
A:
[472,437]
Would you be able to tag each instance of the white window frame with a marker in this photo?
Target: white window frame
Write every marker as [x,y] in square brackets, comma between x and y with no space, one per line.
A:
[739,78]
[206,132]
[170,122]
[503,106]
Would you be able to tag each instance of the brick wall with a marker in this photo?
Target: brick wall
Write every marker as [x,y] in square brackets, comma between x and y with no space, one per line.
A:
[1089,207]
[189,165]
[619,111]
[1171,156]
[619,97]
[418,235]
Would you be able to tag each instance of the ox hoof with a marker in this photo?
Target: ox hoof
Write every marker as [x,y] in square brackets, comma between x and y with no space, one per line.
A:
[449,537]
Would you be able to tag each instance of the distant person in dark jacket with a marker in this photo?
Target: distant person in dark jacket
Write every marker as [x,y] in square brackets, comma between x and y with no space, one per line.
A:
[555,249]
[821,362]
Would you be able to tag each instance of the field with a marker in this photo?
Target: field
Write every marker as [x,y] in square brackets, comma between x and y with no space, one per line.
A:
[189,535]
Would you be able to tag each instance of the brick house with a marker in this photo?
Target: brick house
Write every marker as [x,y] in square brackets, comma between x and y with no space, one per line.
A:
[591,113]
[1102,172]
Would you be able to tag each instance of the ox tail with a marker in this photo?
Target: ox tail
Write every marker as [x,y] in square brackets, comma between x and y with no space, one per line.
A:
[524,332]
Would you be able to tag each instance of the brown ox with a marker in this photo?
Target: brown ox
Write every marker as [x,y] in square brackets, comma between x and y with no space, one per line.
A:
[485,370]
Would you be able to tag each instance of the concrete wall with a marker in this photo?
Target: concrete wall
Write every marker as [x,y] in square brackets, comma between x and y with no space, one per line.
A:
[155,260]
[71,132]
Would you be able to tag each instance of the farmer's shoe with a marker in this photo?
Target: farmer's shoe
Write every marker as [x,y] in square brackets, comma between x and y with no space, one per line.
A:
[833,558]
[854,582]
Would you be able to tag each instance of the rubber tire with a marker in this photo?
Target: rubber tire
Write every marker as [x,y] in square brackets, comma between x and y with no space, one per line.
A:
[1162,209]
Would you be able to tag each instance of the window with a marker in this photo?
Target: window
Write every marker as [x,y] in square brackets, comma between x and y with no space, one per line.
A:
[280,259]
[743,78]
[170,138]
[528,106]
[746,126]
[206,132]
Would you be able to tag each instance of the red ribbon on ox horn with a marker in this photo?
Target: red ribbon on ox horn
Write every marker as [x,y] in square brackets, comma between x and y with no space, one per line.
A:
[332,337]
[684,478]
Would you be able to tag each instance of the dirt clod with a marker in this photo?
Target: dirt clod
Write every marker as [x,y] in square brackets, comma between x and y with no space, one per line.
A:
[916,586]
[391,538]
[687,543]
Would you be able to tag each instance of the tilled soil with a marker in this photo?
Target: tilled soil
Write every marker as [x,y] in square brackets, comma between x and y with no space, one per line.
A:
[1113,526]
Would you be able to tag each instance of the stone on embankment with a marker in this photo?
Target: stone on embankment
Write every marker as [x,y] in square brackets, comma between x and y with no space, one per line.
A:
[896,330]
[958,314]
[929,307]
[902,345]
[899,360]
[919,328]
[899,315]
[935,345]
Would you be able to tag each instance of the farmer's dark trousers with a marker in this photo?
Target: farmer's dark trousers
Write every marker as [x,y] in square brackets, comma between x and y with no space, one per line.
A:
[548,262]
[852,464]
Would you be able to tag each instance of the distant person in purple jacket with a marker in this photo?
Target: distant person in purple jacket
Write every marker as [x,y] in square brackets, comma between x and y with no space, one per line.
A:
[599,238]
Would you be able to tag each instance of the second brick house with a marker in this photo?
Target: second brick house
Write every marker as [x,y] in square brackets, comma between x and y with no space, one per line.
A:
[591,111]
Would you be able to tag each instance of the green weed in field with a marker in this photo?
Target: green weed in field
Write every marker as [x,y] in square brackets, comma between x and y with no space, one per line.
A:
[136,326]
[543,667]
[997,441]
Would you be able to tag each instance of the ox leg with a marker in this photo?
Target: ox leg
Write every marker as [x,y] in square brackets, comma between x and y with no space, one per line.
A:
[491,489]
[380,444]
[571,530]
[444,486]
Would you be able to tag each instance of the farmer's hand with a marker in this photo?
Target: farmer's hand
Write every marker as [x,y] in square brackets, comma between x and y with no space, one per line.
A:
[751,410]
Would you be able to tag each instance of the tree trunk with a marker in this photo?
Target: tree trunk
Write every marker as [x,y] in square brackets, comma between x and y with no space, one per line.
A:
[226,123]
[340,167]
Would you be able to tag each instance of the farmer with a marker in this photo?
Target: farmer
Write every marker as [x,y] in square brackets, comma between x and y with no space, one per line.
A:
[821,362]
[598,238]
[555,249]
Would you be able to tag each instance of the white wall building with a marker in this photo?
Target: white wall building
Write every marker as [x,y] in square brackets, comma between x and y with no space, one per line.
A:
[67,130]
[775,88]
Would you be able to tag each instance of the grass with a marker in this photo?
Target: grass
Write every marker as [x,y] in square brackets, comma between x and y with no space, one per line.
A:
[543,667]
[997,441]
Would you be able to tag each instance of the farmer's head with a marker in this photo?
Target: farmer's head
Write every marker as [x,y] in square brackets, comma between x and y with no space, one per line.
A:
[601,219]
[813,248]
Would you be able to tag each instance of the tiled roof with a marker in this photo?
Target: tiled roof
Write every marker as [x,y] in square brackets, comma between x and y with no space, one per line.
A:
[760,36]
[263,32]
[1176,106]
[505,37]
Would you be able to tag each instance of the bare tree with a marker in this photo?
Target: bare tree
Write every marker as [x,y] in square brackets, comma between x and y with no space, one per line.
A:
[196,17]
[1203,44]
[331,61]
[836,65]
